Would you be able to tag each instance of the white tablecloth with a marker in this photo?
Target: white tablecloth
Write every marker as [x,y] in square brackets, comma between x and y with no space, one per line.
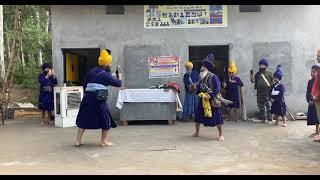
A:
[147,95]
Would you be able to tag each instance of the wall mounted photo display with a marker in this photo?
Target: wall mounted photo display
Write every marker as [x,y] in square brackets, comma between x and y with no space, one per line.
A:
[165,67]
[179,15]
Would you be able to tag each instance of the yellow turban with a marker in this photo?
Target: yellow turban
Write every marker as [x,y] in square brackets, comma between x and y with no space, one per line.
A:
[189,65]
[104,58]
[232,68]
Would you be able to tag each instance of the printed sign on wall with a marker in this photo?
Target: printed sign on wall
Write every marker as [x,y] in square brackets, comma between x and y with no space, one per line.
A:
[164,66]
[184,16]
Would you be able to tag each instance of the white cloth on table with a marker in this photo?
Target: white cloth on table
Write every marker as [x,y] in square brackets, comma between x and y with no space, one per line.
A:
[146,95]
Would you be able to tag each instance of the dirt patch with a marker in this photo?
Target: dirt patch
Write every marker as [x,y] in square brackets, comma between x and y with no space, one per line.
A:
[24,95]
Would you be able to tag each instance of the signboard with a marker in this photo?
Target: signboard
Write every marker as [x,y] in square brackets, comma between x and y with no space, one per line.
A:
[184,16]
[164,66]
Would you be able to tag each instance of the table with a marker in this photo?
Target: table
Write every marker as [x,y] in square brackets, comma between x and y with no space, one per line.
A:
[148,104]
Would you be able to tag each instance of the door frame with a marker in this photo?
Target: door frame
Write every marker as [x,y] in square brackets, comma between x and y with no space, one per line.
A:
[67,50]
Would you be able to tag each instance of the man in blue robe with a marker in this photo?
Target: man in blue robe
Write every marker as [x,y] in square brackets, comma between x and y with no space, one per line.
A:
[94,111]
[210,86]
[47,80]
[190,78]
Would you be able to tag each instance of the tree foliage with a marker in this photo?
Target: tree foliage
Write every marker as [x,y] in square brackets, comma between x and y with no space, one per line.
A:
[34,38]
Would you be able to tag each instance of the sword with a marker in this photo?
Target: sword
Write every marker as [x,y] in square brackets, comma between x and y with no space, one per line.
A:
[219,96]
[287,108]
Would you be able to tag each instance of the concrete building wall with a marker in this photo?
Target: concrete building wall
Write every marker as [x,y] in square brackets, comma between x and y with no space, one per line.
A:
[91,27]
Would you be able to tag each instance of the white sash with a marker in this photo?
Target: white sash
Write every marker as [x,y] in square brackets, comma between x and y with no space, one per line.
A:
[265,79]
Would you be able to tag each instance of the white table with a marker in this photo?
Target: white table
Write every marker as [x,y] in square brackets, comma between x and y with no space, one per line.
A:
[148,104]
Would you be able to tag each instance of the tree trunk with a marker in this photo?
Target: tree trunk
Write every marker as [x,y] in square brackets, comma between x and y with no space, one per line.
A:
[12,61]
[2,64]
[48,21]
[39,51]
[22,56]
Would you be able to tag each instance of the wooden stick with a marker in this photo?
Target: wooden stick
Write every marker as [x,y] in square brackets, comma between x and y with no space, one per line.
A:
[243,107]
[290,113]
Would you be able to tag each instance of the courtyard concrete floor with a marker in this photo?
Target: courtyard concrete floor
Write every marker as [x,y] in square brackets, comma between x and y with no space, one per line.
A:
[249,148]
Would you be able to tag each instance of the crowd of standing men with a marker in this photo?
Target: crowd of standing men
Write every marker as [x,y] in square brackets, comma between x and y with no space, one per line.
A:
[203,97]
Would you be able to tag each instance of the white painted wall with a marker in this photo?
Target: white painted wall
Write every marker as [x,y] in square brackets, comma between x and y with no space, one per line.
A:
[91,27]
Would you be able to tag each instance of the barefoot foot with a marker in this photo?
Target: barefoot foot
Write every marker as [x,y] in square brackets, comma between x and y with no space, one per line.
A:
[77,144]
[316,136]
[196,134]
[220,138]
[106,143]
[312,135]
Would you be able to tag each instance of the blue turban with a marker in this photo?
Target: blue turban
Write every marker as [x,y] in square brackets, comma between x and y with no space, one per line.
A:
[264,62]
[208,62]
[211,58]
[278,73]
[45,66]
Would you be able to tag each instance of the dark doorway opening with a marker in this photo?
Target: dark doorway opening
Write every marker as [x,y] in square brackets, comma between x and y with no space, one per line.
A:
[77,62]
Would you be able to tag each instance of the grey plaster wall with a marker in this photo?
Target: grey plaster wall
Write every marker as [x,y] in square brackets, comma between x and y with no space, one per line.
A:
[91,27]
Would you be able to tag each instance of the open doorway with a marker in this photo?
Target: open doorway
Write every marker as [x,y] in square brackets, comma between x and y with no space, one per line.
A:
[77,62]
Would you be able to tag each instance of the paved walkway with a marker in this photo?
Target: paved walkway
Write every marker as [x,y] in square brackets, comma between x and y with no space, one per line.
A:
[249,148]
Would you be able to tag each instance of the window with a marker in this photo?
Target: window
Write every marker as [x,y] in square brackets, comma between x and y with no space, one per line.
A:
[115,9]
[250,8]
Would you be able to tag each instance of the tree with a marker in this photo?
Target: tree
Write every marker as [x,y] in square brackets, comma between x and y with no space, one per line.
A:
[12,60]
[35,37]
[25,34]
[2,64]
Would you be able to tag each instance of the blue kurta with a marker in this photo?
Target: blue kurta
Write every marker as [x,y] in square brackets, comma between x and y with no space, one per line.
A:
[46,102]
[278,107]
[312,118]
[233,92]
[216,118]
[190,100]
[94,114]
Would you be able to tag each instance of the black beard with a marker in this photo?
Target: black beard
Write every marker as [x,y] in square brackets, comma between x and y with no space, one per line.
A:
[262,69]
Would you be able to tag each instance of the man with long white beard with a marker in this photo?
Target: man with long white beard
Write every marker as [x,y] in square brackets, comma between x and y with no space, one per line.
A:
[208,111]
